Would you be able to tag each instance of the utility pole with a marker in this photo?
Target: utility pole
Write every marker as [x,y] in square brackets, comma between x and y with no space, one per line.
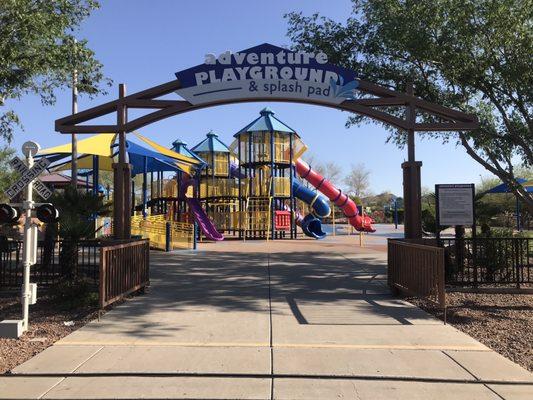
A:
[74,162]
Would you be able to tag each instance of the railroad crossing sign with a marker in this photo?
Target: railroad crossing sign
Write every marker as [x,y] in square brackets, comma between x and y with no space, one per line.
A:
[28,175]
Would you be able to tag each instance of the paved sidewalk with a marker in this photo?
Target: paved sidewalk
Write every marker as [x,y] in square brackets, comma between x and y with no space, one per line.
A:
[282,320]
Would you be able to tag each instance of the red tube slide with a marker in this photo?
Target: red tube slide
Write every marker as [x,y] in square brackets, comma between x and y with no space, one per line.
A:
[360,223]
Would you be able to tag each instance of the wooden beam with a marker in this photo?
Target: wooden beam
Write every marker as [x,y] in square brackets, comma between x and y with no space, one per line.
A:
[167,108]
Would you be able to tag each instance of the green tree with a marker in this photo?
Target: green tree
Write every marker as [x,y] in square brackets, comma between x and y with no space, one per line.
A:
[76,222]
[7,175]
[472,55]
[38,53]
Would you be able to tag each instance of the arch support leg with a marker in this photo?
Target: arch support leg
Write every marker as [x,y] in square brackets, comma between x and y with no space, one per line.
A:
[412,197]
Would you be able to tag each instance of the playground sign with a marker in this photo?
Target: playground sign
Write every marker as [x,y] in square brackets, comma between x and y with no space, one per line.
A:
[28,175]
[455,204]
[267,71]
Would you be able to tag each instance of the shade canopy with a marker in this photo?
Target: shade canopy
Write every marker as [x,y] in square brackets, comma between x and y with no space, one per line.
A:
[101,145]
[98,145]
[155,162]
[504,187]
[185,162]
[86,162]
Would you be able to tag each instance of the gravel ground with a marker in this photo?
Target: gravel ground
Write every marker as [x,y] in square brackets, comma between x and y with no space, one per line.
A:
[503,322]
[46,327]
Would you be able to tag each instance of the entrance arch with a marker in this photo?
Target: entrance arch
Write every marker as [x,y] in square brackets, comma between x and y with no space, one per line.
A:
[266,73]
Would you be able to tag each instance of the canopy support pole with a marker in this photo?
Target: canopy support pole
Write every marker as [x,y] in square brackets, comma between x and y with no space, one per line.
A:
[145,168]
[96,183]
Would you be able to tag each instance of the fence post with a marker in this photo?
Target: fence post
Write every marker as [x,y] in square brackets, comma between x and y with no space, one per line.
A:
[194,230]
[167,237]
[102,278]
[516,245]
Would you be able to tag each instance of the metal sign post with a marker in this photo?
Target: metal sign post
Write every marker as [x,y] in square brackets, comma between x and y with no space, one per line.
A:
[29,171]
[27,250]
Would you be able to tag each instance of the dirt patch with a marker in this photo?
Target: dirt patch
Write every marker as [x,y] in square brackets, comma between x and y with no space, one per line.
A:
[503,322]
[47,325]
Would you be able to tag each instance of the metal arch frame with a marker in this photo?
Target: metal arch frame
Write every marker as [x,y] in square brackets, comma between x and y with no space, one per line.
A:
[448,120]
[453,120]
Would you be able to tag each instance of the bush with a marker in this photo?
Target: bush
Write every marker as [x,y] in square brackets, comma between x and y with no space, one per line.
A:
[69,294]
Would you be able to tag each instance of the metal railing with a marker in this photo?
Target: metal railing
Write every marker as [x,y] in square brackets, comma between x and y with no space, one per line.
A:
[416,269]
[501,261]
[124,268]
[163,234]
[181,235]
[153,228]
[49,267]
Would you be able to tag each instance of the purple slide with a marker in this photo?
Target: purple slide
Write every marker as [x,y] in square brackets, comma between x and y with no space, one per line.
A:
[205,224]
[234,171]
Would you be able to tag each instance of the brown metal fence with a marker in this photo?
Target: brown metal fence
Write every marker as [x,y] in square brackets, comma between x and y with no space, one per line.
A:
[493,261]
[417,269]
[124,268]
[48,268]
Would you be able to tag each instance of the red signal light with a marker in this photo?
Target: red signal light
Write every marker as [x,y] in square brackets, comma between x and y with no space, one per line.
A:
[47,213]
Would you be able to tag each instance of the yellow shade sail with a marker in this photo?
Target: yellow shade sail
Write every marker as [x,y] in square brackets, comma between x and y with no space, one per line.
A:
[86,162]
[167,152]
[97,145]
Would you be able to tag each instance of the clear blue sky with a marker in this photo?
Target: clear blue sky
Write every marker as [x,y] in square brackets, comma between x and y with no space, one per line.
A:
[142,44]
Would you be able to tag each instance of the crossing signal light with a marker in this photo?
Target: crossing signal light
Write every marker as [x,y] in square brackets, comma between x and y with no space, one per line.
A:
[47,213]
[9,214]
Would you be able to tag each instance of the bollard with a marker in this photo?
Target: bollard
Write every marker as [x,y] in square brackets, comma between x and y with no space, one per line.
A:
[167,237]
[195,242]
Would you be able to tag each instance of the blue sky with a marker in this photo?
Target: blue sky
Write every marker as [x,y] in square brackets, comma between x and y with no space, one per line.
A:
[142,44]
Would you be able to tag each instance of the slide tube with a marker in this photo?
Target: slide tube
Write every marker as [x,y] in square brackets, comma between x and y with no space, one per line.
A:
[360,223]
[318,203]
[310,224]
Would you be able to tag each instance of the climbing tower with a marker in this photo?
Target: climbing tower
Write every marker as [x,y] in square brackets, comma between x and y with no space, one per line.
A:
[265,150]
[218,186]
[174,188]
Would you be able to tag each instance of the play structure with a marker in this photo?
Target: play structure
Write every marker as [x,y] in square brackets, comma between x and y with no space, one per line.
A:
[254,188]
[259,187]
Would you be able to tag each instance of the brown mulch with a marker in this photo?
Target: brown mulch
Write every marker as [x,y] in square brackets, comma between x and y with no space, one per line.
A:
[503,322]
[46,327]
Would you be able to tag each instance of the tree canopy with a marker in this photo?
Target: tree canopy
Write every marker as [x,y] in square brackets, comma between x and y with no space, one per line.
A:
[39,53]
[472,55]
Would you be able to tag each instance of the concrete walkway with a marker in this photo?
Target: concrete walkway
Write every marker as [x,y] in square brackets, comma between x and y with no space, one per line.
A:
[256,320]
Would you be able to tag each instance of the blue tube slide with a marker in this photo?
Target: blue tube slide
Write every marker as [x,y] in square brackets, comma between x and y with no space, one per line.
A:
[311,224]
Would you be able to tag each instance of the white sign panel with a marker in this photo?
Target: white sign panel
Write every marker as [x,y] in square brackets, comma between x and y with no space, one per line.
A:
[456,204]
[28,175]
[267,71]
[41,189]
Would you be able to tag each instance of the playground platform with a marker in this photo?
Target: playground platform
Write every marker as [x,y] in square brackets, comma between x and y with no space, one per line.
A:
[299,319]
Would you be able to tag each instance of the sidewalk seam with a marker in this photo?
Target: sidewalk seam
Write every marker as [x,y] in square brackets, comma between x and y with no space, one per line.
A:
[83,362]
[460,365]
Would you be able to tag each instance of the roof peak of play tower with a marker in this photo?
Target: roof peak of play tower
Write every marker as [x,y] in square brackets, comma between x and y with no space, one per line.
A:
[266,122]
[211,143]
[180,147]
